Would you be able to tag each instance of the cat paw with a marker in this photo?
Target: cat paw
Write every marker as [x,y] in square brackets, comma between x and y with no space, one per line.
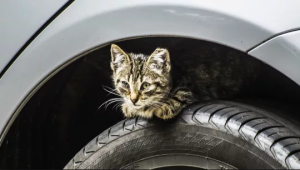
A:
[165,116]
[165,113]
[126,112]
[145,114]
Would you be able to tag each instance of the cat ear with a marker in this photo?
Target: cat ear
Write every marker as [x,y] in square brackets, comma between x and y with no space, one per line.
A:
[159,61]
[119,58]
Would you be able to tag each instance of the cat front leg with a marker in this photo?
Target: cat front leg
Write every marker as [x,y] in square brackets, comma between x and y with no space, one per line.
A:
[165,112]
[174,105]
[127,111]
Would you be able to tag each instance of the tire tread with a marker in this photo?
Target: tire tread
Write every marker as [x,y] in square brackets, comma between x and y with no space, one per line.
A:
[267,134]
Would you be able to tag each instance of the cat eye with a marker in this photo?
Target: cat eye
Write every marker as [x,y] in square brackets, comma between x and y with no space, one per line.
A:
[125,84]
[145,86]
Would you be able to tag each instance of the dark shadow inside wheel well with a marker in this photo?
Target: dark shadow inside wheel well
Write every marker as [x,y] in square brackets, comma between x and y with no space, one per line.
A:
[63,115]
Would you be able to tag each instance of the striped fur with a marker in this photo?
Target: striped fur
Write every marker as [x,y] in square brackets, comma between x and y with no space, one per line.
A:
[145,84]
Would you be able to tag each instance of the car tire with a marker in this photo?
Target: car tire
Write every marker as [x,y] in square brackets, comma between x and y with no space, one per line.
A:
[207,135]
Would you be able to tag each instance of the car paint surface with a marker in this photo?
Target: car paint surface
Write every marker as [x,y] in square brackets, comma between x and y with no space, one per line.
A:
[19,20]
[85,25]
[282,53]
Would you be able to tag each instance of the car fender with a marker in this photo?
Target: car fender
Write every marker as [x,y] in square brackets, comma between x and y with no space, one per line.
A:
[282,53]
[20,21]
[87,25]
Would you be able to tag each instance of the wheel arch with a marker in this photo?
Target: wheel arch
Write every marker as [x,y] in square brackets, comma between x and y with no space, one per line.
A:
[84,27]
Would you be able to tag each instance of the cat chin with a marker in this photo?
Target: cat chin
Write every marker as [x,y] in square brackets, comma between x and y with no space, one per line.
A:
[138,107]
[134,107]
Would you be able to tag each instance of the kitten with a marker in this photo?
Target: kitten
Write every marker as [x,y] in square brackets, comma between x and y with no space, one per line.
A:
[147,87]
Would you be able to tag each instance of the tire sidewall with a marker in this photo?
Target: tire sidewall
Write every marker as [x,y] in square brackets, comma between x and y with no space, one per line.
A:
[178,138]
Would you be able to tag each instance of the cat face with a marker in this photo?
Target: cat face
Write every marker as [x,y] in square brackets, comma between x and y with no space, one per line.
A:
[143,81]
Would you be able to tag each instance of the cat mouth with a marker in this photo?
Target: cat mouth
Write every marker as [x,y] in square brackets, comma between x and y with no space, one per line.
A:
[136,106]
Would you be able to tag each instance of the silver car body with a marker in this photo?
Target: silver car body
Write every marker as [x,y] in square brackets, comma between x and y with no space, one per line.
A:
[266,30]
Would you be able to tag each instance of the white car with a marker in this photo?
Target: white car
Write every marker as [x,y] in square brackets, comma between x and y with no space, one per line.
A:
[54,57]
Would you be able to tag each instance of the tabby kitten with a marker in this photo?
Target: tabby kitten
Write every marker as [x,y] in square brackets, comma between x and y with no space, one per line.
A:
[149,88]
[145,84]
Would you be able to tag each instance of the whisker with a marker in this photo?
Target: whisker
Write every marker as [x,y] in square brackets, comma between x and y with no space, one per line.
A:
[110,88]
[113,99]
[110,91]
[117,105]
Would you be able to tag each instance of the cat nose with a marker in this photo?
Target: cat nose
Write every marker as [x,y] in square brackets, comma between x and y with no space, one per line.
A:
[134,97]
[134,100]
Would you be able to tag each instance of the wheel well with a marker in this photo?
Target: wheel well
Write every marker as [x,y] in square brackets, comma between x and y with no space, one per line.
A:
[63,114]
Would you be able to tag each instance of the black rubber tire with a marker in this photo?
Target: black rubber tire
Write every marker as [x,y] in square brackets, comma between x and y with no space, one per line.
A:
[218,130]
